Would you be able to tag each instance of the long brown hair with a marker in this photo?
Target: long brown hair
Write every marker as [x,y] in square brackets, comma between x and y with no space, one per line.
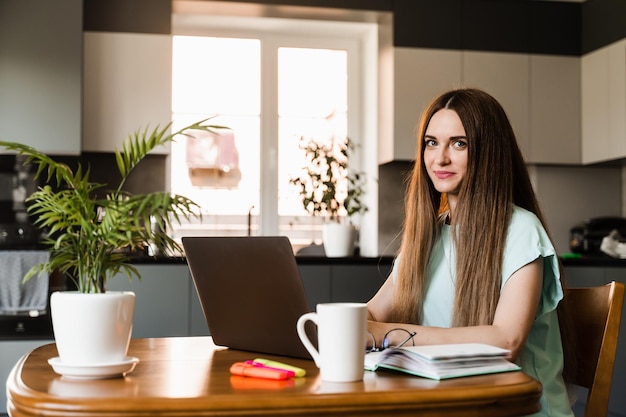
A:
[496,179]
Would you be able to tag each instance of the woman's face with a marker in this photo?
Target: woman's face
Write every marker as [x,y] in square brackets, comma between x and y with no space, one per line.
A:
[445,152]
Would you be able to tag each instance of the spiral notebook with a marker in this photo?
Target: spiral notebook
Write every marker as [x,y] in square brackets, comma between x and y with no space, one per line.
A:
[250,291]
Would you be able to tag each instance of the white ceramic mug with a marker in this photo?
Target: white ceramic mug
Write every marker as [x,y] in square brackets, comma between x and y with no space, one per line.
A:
[341,333]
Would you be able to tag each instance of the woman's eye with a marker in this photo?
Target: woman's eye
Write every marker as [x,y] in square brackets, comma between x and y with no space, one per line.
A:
[459,144]
[430,142]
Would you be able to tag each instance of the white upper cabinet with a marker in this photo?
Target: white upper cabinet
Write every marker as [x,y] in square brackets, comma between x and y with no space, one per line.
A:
[554,110]
[127,86]
[40,74]
[419,76]
[595,106]
[617,97]
[506,77]
[603,74]
[540,94]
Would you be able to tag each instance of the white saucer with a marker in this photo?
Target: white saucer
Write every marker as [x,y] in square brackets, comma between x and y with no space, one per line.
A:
[94,371]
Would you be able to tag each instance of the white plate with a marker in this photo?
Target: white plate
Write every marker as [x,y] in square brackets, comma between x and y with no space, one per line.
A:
[95,371]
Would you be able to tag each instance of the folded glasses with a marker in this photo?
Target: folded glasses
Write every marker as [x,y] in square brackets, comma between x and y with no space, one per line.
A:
[386,342]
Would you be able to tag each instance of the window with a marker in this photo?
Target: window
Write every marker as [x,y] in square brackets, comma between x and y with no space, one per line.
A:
[270,88]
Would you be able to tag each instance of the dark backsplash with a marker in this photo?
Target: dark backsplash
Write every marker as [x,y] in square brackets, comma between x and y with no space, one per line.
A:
[392,181]
[149,176]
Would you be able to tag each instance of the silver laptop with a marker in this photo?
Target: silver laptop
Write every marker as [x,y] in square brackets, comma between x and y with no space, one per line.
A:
[250,291]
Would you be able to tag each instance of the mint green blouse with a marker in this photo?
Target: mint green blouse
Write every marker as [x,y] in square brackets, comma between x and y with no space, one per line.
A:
[542,356]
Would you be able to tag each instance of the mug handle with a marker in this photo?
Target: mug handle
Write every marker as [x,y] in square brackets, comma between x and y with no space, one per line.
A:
[305,339]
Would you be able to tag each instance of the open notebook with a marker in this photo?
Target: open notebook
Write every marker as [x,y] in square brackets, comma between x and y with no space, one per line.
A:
[442,361]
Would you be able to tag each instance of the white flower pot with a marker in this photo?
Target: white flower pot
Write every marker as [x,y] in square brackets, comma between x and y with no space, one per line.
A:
[338,239]
[92,328]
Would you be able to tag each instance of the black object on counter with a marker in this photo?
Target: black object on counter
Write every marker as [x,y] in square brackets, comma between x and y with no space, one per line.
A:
[587,236]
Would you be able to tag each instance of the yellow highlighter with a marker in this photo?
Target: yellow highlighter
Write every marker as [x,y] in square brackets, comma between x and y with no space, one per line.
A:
[299,372]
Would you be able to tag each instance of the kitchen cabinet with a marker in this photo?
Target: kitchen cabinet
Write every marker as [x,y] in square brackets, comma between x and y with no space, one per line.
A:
[603,80]
[40,74]
[540,93]
[342,282]
[357,283]
[127,87]
[583,276]
[506,77]
[317,283]
[197,323]
[162,299]
[554,136]
[595,106]
[419,76]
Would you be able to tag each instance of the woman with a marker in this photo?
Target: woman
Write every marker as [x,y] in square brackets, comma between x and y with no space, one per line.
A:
[476,263]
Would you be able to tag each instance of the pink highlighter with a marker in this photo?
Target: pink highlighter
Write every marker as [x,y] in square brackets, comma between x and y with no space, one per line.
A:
[258,370]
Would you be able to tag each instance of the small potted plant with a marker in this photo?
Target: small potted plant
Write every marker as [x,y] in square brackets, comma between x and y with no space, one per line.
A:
[328,189]
[92,232]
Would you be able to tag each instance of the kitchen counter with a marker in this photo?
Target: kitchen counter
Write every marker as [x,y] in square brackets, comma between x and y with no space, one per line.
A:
[158,259]
[301,260]
[567,260]
[598,260]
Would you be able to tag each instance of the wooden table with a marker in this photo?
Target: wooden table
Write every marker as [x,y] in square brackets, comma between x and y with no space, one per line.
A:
[189,377]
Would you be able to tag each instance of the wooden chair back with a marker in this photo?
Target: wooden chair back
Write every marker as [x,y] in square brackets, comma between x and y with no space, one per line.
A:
[596,314]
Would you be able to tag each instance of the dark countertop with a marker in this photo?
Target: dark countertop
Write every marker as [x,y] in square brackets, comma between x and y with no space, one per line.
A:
[597,260]
[301,260]
[351,260]
[158,259]
[567,260]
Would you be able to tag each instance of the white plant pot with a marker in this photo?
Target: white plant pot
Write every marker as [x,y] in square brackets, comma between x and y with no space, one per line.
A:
[92,328]
[338,239]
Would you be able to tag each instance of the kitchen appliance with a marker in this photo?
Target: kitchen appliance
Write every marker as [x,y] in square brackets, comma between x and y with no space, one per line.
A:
[17,183]
[586,237]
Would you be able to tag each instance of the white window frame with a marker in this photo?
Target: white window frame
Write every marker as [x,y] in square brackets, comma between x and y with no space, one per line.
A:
[360,40]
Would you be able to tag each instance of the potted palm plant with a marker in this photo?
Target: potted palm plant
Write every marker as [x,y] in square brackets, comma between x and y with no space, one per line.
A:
[328,189]
[92,232]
